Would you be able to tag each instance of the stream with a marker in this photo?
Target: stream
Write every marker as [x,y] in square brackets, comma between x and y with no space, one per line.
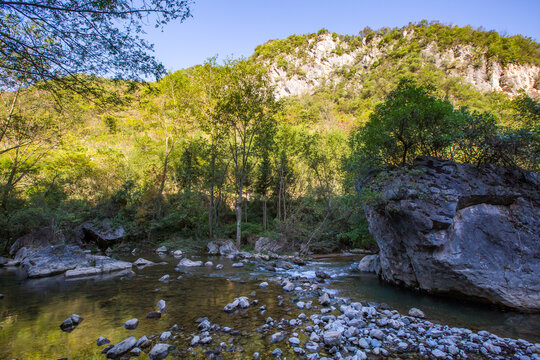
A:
[32,310]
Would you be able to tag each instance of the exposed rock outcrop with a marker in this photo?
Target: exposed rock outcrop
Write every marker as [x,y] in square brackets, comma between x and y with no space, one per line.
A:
[102,233]
[458,229]
[268,245]
[70,260]
[327,57]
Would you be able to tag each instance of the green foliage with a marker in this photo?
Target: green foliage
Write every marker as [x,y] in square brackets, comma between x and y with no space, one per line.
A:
[170,159]
[411,121]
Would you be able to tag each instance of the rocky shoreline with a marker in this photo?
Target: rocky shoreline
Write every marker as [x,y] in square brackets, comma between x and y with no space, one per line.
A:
[323,327]
[318,325]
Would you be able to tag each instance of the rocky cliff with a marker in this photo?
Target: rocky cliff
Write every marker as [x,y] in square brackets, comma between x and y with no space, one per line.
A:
[300,67]
[456,229]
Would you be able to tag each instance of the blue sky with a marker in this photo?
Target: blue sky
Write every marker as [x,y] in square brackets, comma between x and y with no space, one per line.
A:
[236,27]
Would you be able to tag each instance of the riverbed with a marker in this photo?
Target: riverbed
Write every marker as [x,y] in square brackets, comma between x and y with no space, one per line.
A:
[32,310]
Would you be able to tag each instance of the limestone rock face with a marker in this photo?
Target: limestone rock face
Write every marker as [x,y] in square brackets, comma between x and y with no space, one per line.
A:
[457,229]
[327,56]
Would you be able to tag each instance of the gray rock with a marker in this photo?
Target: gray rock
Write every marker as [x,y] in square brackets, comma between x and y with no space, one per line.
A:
[461,238]
[256,356]
[438,354]
[299,351]
[166,335]
[51,260]
[68,259]
[332,337]
[71,323]
[140,262]
[268,245]
[102,341]
[263,285]
[159,351]
[131,324]
[277,337]
[294,341]
[416,313]
[102,233]
[223,248]
[219,267]
[195,340]
[162,305]
[377,334]
[238,265]
[3,261]
[370,264]
[206,340]
[135,352]
[277,352]
[185,262]
[165,278]
[161,249]
[241,302]
[153,315]
[312,346]
[208,264]
[121,348]
[143,342]
[324,299]
[177,253]
[289,286]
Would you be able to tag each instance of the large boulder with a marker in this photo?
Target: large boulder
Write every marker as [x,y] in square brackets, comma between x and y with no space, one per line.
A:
[451,228]
[268,245]
[221,247]
[370,264]
[102,233]
[70,260]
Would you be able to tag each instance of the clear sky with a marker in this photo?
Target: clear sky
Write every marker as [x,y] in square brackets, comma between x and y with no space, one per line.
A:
[236,27]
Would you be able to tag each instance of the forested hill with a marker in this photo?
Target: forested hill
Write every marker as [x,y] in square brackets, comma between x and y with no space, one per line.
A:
[173,159]
[371,62]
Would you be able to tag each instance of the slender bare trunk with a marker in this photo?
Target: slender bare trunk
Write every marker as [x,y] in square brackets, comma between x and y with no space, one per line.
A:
[211,206]
[211,212]
[279,202]
[239,217]
[264,213]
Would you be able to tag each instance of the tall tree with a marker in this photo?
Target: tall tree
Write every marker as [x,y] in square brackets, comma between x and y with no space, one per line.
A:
[246,109]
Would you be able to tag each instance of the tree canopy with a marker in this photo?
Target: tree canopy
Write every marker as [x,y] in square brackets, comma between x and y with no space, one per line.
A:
[42,40]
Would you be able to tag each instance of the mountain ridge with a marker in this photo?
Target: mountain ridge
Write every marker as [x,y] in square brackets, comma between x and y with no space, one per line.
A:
[300,64]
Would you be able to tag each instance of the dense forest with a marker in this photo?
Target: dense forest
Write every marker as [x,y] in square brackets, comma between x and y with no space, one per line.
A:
[210,152]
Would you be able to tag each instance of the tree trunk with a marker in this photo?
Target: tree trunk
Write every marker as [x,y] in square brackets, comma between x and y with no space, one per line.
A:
[239,217]
[264,213]
[279,202]
[211,212]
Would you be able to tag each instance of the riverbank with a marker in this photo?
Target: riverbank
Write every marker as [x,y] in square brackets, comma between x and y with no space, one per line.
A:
[34,309]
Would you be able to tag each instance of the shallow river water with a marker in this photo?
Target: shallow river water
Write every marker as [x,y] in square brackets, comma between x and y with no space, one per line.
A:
[32,310]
